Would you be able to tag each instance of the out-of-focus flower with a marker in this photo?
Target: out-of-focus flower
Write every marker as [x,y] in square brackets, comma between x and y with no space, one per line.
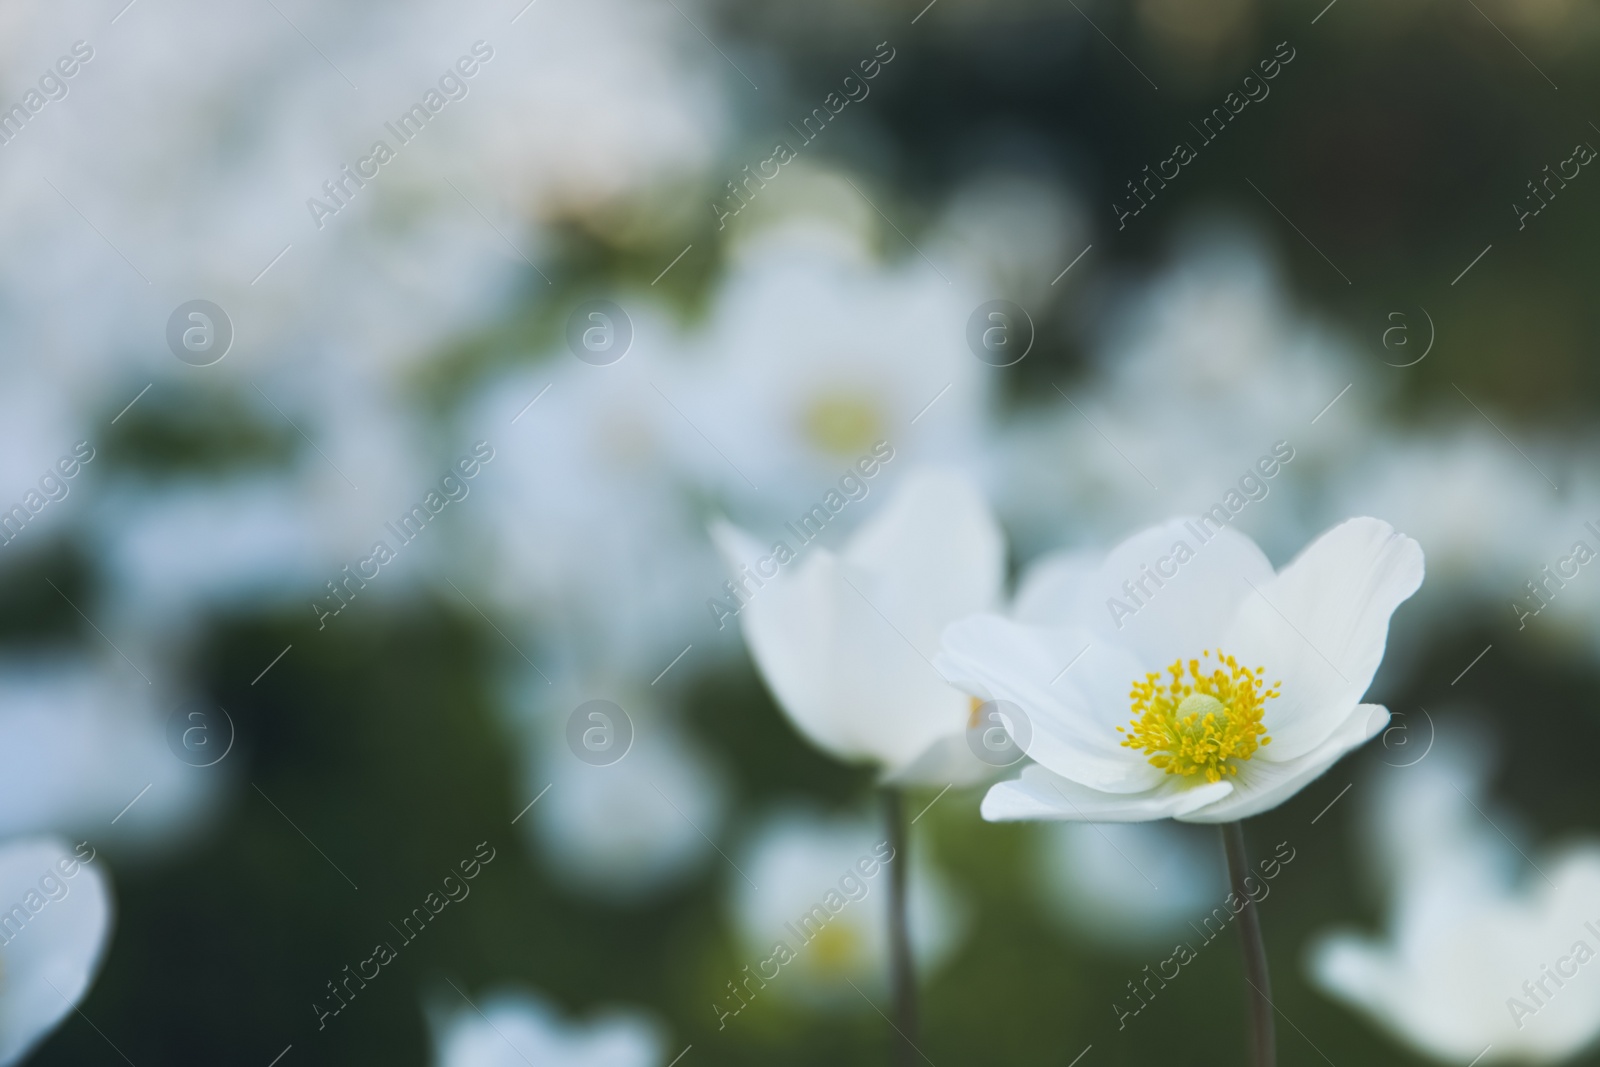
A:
[813,353]
[79,741]
[1245,683]
[516,1028]
[1196,375]
[845,641]
[1129,883]
[819,886]
[585,517]
[1473,966]
[1015,230]
[55,922]
[630,828]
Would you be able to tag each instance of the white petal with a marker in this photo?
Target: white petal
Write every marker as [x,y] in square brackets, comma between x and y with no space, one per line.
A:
[1321,626]
[1052,586]
[1177,616]
[1039,794]
[845,642]
[934,553]
[1072,714]
[1261,784]
[49,955]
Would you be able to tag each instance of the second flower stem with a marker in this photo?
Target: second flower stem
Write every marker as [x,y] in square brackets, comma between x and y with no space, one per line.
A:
[1262,1041]
[902,976]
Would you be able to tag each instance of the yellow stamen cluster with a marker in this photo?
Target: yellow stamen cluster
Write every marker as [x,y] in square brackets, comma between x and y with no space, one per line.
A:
[1200,724]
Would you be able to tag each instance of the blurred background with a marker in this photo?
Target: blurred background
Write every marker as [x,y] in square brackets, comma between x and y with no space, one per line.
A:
[1351,256]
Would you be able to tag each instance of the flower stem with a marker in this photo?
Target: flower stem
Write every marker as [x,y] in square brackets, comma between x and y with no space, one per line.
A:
[1262,1043]
[902,978]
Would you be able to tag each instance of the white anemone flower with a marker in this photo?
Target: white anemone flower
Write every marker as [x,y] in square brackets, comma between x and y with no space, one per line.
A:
[55,920]
[516,1028]
[1192,681]
[1472,969]
[1484,954]
[845,641]
[821,880]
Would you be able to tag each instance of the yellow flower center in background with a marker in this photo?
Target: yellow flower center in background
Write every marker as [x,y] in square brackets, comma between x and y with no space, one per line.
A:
[835,947]
[1202,723]
[843,421]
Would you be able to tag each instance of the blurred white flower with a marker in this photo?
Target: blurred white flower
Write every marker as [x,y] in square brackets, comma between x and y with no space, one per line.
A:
[1211,744]
[631,828]
[813,353]
[810,889]
[1128,883]
[79,741]
[1473,968]
[1195,374]
[845,641]
[55,922]
[1015,230]
[516,1028]
[585,519]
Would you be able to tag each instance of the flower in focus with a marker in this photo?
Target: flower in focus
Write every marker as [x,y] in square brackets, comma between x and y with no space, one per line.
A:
[1474,966]
[1184,678]
[514,1029]
[55,923]
[845,641]
[815,877]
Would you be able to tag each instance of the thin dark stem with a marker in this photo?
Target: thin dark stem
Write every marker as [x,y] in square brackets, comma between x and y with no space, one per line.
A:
[1262,1043]
[901,976]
